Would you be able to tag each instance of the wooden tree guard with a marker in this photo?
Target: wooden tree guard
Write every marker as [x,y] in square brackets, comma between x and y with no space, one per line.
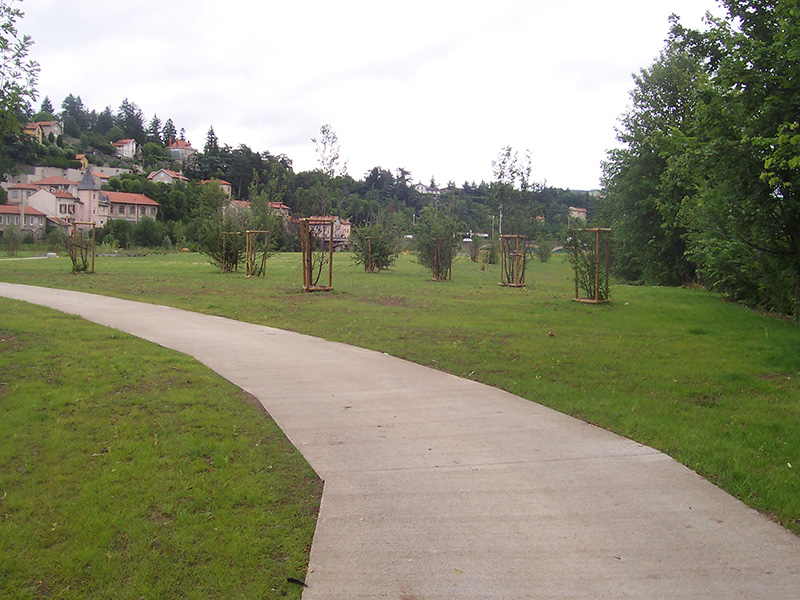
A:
[369,264]
[483,258]
[601,242]
[310,281]
[250,254]
[442,267]
[513,260]
[73,251]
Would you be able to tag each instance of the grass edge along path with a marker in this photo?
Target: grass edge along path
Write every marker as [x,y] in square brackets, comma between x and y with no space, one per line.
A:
[129,471]
[714,385]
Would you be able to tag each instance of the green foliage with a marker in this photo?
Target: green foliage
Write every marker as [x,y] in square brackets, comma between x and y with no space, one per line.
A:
[56,239]
[118,229]
[18,74]
[589,263]
[374,247]
[710,175]
[544,250]
[438,241]
[11,239]
[80,245]
[216,217]
[147,233]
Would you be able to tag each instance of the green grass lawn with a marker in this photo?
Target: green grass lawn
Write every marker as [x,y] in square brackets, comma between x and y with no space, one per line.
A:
[130,471]
[713,384]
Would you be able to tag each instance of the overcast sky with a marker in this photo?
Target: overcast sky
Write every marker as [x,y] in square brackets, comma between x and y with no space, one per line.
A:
[436,87]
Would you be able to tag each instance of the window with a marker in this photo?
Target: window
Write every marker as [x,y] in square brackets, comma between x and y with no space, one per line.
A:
[132,209]
[62,208]
[41,220]
[71,208]
[14,194]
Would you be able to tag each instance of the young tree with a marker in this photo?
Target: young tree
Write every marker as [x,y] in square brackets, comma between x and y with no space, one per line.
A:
[374,247]
[438,242]
[18,74]
[329,152]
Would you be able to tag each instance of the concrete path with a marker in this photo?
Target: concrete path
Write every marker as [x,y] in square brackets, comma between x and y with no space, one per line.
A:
[441,488]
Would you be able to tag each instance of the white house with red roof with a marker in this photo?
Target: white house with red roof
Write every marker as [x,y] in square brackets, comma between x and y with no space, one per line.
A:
[167,176]
[125,148]
[57,203]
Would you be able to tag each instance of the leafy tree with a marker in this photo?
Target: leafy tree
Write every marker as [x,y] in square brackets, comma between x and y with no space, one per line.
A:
[438,241]
[153,154]
[120,230]
[147,233]
[744,154]
[18,74]
[643,194]
[374,247]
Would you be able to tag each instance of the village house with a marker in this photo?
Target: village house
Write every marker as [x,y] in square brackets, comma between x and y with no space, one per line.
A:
[20,192]
[43,130]
[33,220]
[125,148]
[167,176]
[130,207]
[279,208]
[180,150]
[65,202]
[320,227]
[56,183]
[57,203]
[226,186]
[577,213]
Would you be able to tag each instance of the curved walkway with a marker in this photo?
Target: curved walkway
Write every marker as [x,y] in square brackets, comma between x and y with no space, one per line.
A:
[441,488]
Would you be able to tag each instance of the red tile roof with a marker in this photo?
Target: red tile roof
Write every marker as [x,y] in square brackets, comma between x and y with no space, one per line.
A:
[13,209]
[55,181]
[126,198]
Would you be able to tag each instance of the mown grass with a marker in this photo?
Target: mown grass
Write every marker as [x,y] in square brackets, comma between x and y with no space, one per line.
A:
[711,383]
[130,471]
